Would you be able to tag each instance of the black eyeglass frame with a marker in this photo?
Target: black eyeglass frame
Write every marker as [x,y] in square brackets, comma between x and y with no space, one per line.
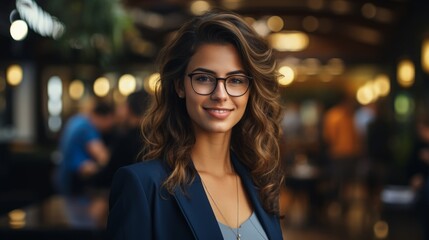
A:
[190,75]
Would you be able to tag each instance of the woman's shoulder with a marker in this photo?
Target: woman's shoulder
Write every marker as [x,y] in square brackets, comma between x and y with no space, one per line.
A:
[154,170]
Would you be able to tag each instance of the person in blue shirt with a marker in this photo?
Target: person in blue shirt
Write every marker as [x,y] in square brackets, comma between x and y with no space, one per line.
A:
[82,149]
[127,143]
[211,167]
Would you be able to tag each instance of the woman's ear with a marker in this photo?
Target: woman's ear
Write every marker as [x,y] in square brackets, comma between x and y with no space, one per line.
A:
[178,85]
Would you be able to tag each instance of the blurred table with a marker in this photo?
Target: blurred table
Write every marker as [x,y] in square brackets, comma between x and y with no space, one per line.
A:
[58,217]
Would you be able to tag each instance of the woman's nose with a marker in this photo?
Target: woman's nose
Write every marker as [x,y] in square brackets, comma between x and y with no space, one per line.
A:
[219,93]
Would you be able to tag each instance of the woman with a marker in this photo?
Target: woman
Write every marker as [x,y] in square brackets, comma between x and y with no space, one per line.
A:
[213,136]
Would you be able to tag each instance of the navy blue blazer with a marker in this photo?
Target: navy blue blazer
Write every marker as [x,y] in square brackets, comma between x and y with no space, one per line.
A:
[140,209]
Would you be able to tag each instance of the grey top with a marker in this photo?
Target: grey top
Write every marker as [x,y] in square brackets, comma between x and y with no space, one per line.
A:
[249,229]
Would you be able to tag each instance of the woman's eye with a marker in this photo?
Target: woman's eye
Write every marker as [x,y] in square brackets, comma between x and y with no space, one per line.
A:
[236,80]
[203,78]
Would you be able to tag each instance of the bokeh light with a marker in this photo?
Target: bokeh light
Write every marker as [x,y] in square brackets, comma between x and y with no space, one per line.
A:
[293,41]
[381,229]
[275,23]
[76,89]
[55,88]
[287,75]
[365,94]
[127,84]
[200,7]
[14,74]
[19,30]
[101,86]
[406,73]
[425,55]
[382,85]
[151,83]
[403,105]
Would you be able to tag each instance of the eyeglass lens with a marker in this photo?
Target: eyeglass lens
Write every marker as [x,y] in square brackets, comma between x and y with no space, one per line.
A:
[205,84]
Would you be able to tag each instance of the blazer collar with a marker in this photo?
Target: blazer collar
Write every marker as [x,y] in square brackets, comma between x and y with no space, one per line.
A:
[269,222]
[197,211]
[196,208]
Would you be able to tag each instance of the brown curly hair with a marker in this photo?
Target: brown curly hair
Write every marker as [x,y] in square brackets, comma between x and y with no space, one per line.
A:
[167,130]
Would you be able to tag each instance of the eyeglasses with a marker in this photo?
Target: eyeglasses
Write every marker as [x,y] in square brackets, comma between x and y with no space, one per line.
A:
[205,84]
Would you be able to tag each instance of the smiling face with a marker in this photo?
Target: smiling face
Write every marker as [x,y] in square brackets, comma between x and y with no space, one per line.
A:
[217,112]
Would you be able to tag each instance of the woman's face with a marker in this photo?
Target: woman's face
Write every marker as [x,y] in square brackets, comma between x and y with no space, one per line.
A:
[217,112]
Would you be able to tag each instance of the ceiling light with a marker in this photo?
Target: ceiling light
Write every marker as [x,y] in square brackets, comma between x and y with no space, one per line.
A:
[199,7]
[289,41]
[18,30]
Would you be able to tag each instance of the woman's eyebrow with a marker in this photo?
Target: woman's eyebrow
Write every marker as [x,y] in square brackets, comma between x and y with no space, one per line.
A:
[214,73]
[204,70]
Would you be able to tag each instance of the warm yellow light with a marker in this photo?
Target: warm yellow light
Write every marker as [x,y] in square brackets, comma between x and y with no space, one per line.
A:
[425,55]
[275,23]
[17,218]
[14,75]
[289,41]
[287,75]
[151,82]
[365,94]
[382,85]
[101,86]
[76,89]
[381,229]
[199,7]
[127,84]
[18,30]
[406,73]
[17,215]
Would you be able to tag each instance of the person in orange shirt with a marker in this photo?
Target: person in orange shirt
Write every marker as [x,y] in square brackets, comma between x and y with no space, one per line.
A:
[340,133]
[343,146]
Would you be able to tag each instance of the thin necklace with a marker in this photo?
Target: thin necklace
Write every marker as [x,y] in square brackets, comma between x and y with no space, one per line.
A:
[237,232]
[262,235]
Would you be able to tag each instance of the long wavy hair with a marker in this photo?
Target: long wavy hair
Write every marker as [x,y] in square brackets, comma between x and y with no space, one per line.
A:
[167,128]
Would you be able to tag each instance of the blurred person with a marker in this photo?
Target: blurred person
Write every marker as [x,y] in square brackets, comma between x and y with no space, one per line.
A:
[363,117]
[342,143]
[128,141]
[83,152]
[211,166]
[340,132]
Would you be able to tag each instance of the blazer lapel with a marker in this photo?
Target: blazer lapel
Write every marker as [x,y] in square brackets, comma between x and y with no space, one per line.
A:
[270,223]
[196,208]
[197,211]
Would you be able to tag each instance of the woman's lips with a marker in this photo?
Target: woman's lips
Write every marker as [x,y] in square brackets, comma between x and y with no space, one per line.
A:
[219,113]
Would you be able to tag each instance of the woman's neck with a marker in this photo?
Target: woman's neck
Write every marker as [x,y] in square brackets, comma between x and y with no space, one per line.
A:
[211,154]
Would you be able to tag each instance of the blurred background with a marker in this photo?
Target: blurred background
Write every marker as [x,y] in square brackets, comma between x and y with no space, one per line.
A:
[354,85]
